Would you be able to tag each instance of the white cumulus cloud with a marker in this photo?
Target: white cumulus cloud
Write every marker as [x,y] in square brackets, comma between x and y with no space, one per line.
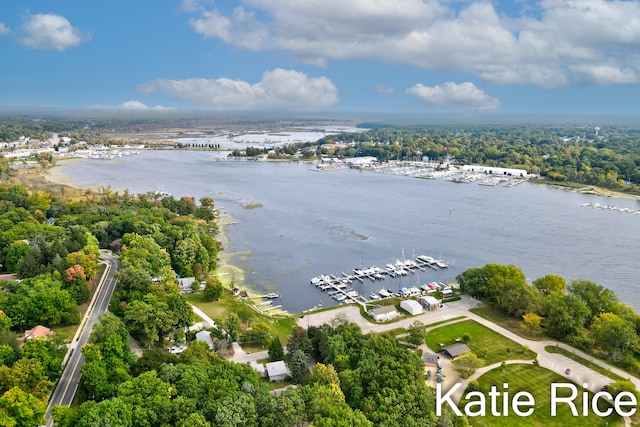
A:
[4,29]
[464,96]
[279,88]
[50,31]
[551,43]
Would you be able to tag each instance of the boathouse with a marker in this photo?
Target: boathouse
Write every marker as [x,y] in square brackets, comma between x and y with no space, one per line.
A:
[383,313]
[429,303]
[411,306]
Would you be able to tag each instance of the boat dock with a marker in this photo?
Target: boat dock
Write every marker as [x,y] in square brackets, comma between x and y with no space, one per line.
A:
[338,286]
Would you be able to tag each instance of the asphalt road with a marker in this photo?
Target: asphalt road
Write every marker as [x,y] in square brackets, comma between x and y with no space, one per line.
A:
[68,383]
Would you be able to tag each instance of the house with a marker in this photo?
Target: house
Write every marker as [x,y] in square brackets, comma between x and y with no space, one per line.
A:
[205,336]
[277,371]
[455,350]
[185,284]
[412,307]
[116,245]
[429,303]
[38,332]
[383,313]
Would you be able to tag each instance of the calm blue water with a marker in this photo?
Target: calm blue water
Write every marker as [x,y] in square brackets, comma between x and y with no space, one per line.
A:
[313,223]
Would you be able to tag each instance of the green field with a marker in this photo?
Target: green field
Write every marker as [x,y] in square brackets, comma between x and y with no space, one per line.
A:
[485,343]
[537,381]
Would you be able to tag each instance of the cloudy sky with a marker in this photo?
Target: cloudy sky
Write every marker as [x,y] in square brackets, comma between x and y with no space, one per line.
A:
[440,56]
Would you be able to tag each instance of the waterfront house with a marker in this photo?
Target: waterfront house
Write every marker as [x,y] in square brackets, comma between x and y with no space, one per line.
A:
[383,313]
[277,371]
[411,306]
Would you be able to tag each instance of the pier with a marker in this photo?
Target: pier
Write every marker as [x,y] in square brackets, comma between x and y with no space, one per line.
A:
[338,288]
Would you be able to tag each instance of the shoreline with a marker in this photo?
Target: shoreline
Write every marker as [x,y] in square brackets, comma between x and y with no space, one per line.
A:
[224,265]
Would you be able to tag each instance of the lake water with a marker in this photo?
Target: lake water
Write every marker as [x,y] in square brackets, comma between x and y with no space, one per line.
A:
[308,223]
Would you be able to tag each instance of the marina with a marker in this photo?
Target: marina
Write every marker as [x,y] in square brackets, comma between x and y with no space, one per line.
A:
[338,287]
[611,208]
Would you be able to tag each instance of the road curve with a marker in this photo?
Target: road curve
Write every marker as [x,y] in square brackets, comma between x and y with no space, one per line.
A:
[67,385]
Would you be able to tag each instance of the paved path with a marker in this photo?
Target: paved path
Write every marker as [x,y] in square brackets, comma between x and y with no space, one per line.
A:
[558,363]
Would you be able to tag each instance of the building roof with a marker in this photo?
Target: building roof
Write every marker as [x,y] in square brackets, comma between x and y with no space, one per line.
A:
[430,300]
[455,350]
[383,309]
[412,304]
[275,369]
[205,336]
[37,332]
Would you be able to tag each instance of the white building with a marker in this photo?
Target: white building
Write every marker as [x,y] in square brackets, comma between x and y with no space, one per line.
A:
[205,336]
[521,173]
[412,307]
[383,313]
[277,371]
[361,160]
[429,302]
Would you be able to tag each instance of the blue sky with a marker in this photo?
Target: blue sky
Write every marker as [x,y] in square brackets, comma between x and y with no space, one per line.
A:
[414,56]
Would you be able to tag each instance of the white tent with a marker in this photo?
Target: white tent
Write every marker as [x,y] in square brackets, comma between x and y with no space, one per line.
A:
[411,306]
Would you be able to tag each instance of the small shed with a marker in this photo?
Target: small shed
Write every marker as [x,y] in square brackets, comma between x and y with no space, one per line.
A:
[412,307]
[430,358]
[383,313]
[205,336]
[447,292]
[455,350]
[277,371]
[259,368]
[115,246]
[429,303]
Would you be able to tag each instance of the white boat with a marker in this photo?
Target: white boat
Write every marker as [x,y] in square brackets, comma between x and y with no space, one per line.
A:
[374,296]
[385,293]
[272,295]
[341,297]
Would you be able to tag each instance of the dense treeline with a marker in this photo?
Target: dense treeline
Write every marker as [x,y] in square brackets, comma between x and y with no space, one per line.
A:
[582,313]
[365,380]
[560,153]
[53,247]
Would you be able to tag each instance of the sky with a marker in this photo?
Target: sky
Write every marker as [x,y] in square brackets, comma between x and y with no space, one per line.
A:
[402,56]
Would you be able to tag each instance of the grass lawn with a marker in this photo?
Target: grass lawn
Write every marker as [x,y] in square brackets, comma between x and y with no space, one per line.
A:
[485,343]
[509,323]
[537,381]
[281,327]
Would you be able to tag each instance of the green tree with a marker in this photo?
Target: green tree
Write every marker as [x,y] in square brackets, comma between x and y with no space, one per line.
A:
[613,334]
[20,408]
[276,351]
[564,315]
[550,284]
[417,333]
[324,374]
[597,298]
[466,364]
[299,367]
[213,289]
